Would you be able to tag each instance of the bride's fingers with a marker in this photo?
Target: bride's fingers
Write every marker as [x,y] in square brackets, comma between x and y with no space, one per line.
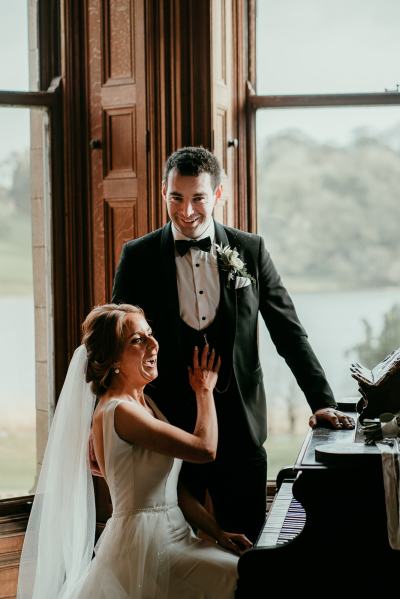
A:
[243,541]
[211,360]
[196,357]
[207,360]
[240,541]
[204,357]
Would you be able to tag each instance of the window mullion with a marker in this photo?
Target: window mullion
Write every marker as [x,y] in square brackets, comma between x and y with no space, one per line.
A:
[315,100]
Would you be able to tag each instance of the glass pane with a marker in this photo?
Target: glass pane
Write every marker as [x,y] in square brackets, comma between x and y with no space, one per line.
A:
[17,346]
[14,63]
[329,211]
[315,46]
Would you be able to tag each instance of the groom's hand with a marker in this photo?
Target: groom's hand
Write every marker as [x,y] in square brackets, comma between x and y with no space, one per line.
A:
[335,418]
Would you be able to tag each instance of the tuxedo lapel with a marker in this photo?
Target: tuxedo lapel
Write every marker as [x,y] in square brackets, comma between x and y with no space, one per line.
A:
[228,297]
[169,288]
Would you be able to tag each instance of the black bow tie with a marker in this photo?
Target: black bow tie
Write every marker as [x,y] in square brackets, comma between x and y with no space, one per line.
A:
[183,245]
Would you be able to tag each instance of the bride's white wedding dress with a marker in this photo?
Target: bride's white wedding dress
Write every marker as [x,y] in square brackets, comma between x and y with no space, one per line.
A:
[147,549]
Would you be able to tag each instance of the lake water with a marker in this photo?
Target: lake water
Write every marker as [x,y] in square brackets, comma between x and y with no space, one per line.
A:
[332,320]
[17,360]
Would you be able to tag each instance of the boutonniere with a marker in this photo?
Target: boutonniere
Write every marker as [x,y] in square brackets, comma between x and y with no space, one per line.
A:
[234,267]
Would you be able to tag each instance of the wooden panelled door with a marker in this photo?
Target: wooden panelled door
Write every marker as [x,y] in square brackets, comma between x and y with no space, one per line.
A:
[118,156]
[223,104]
[117,125]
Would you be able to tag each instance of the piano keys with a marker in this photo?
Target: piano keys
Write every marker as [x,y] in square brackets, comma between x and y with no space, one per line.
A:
[285,519]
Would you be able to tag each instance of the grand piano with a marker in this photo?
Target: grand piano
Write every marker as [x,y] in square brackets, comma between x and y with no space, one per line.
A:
[326,531]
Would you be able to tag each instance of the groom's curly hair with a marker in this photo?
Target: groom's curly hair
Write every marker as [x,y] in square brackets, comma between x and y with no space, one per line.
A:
[191,161]
[104,335]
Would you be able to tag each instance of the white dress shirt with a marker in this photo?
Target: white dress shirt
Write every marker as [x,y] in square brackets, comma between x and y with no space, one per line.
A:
[198,281]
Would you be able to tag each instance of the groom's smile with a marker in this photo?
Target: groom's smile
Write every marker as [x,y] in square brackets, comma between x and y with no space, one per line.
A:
[190,202]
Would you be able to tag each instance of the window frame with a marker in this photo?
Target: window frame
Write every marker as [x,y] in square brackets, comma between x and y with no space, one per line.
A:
[255,102]
[49,98]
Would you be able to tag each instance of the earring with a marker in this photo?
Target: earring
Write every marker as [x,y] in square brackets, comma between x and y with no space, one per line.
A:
[116,370]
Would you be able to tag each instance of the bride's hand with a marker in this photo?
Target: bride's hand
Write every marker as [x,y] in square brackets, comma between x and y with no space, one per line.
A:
[235,542]
[204,374]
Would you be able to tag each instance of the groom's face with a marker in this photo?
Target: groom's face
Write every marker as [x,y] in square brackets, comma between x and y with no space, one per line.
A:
[190,201]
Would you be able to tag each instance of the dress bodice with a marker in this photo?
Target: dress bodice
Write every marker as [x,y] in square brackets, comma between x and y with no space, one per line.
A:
[138,479]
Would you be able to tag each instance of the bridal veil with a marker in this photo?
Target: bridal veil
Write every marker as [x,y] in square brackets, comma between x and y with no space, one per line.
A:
[59,540]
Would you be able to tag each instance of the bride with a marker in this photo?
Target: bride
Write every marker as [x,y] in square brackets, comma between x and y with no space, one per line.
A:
[147,549]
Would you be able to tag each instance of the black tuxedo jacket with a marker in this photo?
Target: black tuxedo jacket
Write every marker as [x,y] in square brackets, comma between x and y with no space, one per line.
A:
[146,276]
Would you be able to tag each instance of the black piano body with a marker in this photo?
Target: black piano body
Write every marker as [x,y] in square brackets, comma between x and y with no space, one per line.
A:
[343,546]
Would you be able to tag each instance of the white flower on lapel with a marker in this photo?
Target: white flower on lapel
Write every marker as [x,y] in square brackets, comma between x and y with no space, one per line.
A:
[234,266]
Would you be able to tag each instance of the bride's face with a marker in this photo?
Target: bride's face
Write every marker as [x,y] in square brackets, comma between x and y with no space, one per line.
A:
[138,360]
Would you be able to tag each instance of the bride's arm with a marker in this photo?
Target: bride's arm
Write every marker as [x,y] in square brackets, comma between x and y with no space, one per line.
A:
[135,425]
[197,515]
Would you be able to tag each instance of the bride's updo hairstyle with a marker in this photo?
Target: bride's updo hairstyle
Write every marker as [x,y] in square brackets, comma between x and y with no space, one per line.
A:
[104,335]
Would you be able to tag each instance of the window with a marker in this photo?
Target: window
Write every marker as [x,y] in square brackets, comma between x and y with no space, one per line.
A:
[17,345]
[328,166]
[29,129]
[14,46]
[311,47]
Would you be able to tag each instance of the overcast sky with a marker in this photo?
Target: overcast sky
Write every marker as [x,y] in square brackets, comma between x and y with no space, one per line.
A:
[304,46]
[14,124]
[328,46]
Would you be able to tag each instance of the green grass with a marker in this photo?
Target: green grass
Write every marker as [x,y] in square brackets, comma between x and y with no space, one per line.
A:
[17,462]
[282,450]
[15,255]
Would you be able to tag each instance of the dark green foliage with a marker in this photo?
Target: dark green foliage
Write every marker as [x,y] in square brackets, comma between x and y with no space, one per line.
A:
[373,350]
[330,214]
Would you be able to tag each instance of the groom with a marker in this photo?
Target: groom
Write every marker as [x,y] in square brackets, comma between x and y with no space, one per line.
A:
[201,282]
